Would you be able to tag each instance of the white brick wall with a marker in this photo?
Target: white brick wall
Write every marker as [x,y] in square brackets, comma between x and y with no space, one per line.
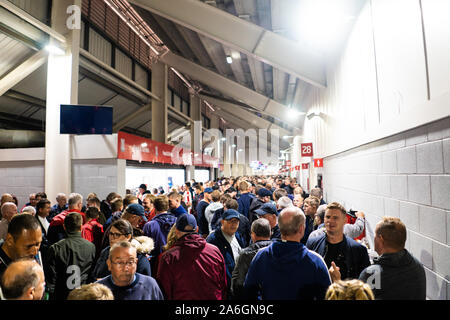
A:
[21,178]
[406,176]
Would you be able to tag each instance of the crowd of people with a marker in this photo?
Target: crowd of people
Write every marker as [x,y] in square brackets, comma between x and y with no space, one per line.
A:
[252,237]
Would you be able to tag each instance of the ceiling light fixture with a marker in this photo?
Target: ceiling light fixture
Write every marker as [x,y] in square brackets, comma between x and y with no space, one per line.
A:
[229,59]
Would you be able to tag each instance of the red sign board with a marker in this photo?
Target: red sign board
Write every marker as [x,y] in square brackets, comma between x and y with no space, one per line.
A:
[307,149]
[305,166]
[297,168]
[131,147]
[318,163]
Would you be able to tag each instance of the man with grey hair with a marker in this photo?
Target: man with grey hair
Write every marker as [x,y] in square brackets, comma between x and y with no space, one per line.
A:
[23,280]
[260,234]
[124,282]
[56,229]
[29,210]
[60,206]
[317,192]
[286,269]
[284,202]
[9,210]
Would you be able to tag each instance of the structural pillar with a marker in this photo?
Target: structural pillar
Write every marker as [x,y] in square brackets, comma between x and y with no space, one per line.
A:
[159,108]
[62,88]
[196,131]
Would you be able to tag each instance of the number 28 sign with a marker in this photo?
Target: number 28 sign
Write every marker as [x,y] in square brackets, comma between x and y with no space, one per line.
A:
[307,149]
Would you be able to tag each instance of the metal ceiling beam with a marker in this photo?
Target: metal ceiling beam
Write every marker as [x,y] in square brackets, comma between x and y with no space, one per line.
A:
[26,98]
[21,26]
[122,123]
[231,88]
[251,39]
[245,115]
[22,71]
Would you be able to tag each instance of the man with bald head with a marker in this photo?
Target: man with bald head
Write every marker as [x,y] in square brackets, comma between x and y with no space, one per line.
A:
[9,210]
[123,281]
[23,280]
[286,269]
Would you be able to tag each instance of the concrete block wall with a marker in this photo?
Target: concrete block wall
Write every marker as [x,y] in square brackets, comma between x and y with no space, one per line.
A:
[406,176]
[21,178]
[96,175]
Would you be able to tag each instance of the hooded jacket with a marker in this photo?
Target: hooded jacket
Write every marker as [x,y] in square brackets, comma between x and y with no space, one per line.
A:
[192,270]
[242,265]
[254,205]
[158,229]
[210,211]
[396,276]
[287,270]
[178,211]
[144,245]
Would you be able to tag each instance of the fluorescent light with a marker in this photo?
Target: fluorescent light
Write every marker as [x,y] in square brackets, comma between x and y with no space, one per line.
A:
[229,59]
[144,145]
[54,49]
[234,146]
[224,139]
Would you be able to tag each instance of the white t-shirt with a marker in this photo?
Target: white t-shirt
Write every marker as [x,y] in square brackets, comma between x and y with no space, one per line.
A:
[44,222]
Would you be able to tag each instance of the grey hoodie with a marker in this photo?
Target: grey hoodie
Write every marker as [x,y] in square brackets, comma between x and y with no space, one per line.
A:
[396,276]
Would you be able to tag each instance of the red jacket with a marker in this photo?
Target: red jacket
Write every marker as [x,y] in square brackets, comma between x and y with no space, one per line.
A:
[56,229]
[192,270]
[58,220]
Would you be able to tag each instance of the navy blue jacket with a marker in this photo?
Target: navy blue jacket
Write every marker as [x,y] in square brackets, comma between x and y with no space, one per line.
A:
[287,270]
[216,238]
[356,256]
[244,202]
[158,229]
[203,227]
[142,288]
[178,211]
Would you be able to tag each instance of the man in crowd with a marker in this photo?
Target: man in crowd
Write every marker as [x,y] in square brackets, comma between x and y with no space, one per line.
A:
[159,227]
[192,255]
[263,196]
[213,207]
[23,280]
[94,201]
[105,205]
[395,274]
[42,213]
[149,208]
[203,228]
[56,229]
[310,206]
[9,210]
[92,230]
[175,206]
[70,260]
[228,240]
[269,212]
[23,240]
[336,248]
[317,192]
[60,206]
[287,270]
[260,234]
[124,282]
[245,199]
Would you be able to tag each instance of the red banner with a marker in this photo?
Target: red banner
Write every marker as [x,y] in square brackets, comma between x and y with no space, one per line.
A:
[305,166]
[131,147]
[307,149]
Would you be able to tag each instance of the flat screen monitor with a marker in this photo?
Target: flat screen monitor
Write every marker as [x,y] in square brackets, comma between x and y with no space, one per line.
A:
[81,119]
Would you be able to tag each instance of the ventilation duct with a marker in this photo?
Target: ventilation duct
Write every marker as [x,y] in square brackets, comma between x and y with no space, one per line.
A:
[21,139]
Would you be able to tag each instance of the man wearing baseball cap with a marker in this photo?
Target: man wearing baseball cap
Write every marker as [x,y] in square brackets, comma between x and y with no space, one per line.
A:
[190,262]
[227,240]
[203,227]
[263,196]
[269,212]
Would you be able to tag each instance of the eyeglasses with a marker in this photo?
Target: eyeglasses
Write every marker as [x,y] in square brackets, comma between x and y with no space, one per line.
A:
[117,235]
[125,263]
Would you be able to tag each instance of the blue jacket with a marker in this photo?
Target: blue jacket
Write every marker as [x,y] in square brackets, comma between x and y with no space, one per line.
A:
[202,223]
[216,238]
[244,202]
[142,288]
[287,270]
[158,229]
[178,211]
[356,256]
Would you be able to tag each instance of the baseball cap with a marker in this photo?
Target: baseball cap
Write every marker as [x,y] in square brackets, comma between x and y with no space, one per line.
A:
[267,208]
[263,192]
[230,214]
[143,186]
[208,190]
[186,220]
[137,210]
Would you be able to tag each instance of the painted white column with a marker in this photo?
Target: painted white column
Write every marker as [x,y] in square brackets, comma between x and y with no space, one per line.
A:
[159,108]
[296,157]
[62,88]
